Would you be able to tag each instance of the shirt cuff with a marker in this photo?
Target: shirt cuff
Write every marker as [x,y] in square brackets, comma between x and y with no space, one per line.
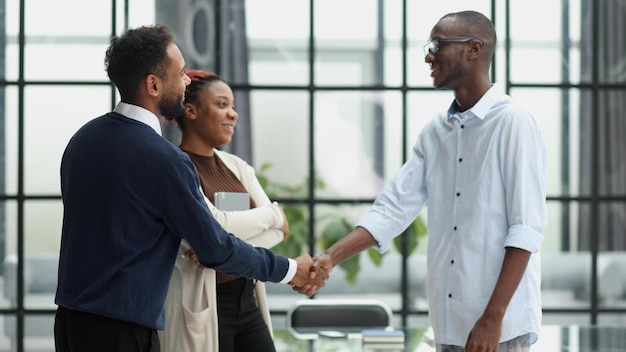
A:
[291,272]
[524,237]
[377,226]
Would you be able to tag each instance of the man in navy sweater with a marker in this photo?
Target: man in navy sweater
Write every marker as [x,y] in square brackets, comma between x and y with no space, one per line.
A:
[129,196]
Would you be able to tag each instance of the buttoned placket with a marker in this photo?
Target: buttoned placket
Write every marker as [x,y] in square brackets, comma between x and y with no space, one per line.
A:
[459,127]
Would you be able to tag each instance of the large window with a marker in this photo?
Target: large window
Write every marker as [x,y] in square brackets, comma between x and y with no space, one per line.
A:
[331,96]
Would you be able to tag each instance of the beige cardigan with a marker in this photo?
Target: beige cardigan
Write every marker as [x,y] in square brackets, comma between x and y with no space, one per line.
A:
[190,307]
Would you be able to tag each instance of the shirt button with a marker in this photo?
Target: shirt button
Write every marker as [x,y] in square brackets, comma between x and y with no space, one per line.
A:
[449,295]
[458,194]
[452,261]
[455,228]
[462,126]
[460,159]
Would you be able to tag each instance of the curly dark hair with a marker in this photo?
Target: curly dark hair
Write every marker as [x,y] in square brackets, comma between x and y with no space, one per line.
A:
[136,54]
[199,80]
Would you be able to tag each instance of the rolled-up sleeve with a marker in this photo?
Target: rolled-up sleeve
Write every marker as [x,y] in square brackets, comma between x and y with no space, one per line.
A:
[525,179]
[524,237]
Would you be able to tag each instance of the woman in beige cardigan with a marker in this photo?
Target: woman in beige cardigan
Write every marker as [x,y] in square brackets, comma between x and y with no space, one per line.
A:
[207,310]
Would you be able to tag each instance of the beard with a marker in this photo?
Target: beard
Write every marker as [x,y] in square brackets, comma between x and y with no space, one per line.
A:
[172,105]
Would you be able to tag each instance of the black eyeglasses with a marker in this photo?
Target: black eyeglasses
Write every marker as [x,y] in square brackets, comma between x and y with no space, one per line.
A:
[433,45]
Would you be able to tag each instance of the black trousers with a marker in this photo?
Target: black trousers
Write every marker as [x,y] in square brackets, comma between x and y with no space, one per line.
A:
[76,331]
[241,324]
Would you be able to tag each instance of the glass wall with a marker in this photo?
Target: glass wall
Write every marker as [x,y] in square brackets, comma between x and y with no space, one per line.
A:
[331,96]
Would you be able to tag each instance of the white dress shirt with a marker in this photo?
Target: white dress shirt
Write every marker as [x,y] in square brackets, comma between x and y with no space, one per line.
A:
[484,178]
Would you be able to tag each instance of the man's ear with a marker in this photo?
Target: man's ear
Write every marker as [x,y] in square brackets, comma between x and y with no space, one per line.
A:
[475,49]
[152,84]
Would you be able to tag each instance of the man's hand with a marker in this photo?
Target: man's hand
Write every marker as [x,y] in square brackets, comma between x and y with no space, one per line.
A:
[320,269]
[354,242]
[485,335]
[302,274]
[307,279]
[322,265]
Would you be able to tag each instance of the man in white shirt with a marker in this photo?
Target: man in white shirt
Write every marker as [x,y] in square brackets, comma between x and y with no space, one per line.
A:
[481,167]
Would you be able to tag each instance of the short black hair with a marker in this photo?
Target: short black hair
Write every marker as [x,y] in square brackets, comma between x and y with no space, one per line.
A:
[135,54]
[478,25]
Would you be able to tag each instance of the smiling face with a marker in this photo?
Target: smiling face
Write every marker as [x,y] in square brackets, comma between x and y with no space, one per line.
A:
[174,84]
[212,117]
[449,67]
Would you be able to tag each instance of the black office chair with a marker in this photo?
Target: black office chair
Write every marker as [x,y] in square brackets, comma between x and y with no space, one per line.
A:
[307,318]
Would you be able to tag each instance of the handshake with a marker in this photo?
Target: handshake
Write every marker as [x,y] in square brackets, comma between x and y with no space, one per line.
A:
[312,273]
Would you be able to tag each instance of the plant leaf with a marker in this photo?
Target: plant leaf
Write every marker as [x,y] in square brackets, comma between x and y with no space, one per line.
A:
[375,256]
[415,230]
[352,267]
[333,232]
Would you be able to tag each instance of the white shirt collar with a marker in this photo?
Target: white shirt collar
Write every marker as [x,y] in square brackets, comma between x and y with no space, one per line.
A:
[140,114]
[482,106]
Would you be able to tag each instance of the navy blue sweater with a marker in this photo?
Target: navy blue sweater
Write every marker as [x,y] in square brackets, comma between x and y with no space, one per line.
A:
[129,196]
